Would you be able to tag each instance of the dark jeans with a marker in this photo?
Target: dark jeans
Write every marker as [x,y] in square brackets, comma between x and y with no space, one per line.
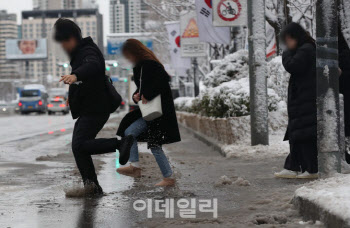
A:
[84,144]
[137,128]
[302,157]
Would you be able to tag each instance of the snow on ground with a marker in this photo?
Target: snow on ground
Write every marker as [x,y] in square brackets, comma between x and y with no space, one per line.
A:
[277,128]
[243,150]
[332,195]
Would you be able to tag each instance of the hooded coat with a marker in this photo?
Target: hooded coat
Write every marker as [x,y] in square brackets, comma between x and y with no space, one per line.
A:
[155,81]
[302,109]
[89,95]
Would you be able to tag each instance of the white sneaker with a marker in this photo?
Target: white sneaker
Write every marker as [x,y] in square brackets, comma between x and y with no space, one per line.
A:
[307,175]
[289,174]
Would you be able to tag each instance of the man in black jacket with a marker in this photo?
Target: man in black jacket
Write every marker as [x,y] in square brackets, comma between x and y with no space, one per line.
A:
[89,102]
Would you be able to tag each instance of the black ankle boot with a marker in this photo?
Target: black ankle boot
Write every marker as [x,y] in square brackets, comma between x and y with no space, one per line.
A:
[124,149]
[92,188]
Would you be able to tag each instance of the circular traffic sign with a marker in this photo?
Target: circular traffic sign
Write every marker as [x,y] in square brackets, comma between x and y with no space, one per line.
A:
[229,10]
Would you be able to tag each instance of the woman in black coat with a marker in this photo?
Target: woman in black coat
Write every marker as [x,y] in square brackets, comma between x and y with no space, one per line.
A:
[163,130]
[300,61]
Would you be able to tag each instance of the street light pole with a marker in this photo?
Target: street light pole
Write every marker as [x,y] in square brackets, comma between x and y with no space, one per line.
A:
[328,111]
[44,63]
[258,73]
[195,76]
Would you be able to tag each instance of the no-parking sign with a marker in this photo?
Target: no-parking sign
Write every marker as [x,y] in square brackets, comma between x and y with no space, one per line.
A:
[229,12]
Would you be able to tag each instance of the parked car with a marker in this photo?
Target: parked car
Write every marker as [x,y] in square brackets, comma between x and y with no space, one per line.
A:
[57,104]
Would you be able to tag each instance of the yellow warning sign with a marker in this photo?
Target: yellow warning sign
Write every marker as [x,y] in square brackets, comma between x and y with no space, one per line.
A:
[191,30]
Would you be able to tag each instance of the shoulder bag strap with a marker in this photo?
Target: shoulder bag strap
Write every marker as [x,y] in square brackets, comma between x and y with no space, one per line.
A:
[140,81]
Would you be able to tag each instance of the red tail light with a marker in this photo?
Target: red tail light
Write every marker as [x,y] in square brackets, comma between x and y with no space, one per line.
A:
[40,103]
[62,105]
[50,105]
[20,104]
[123,103]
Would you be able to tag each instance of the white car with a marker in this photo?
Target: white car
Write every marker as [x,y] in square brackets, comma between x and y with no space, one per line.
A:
[7,109]
[57,105]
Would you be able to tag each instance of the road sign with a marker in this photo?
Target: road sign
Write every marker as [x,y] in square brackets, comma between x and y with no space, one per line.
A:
[115,43]
[190,44]
[229,12]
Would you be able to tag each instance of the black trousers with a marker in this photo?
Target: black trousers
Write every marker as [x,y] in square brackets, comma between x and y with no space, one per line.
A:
[84,144]
[302,157]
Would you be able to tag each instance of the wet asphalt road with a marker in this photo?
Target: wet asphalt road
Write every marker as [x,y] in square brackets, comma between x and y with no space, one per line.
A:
[33,179]
[37,167]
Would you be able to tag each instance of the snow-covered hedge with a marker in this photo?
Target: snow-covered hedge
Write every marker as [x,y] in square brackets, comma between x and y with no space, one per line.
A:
[278,77]
[232,67]
[184,103]
[227,89]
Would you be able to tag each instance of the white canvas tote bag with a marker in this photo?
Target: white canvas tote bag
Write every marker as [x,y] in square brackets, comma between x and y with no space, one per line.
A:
[153,109]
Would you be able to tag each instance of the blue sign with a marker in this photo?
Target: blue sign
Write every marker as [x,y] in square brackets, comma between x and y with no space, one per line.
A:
[115,79]
[114,45]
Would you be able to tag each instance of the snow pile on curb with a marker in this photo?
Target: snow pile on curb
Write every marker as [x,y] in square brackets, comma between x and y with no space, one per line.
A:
[332,195]
[240,181]
[277,148]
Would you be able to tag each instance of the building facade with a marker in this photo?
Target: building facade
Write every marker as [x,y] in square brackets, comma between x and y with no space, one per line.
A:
[40,23]
[63,4]
[126,16]
[116,17]
[8,30]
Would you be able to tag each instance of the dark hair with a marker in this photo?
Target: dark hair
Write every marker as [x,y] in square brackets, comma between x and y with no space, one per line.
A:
[295,31]
[139,50]
[66,29]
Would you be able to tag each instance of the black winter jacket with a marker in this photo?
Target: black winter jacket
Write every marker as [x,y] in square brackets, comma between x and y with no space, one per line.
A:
[302,109]
[155,81]
[90,96]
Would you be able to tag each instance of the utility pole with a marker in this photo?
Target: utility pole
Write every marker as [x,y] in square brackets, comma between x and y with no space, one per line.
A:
[258,73]
[328,112]
[44,62]
[195,76]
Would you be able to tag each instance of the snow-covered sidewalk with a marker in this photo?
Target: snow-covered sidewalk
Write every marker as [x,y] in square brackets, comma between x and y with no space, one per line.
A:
[327,200]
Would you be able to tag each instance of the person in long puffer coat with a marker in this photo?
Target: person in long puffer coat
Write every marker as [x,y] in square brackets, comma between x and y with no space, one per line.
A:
[300,61]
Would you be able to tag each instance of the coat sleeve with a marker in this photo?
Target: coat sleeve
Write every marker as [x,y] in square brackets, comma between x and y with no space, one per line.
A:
[90,68]
[137,90]
[153,78]
[298,61]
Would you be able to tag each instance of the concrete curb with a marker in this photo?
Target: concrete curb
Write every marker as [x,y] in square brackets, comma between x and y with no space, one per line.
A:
[209,141]
[311,211]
